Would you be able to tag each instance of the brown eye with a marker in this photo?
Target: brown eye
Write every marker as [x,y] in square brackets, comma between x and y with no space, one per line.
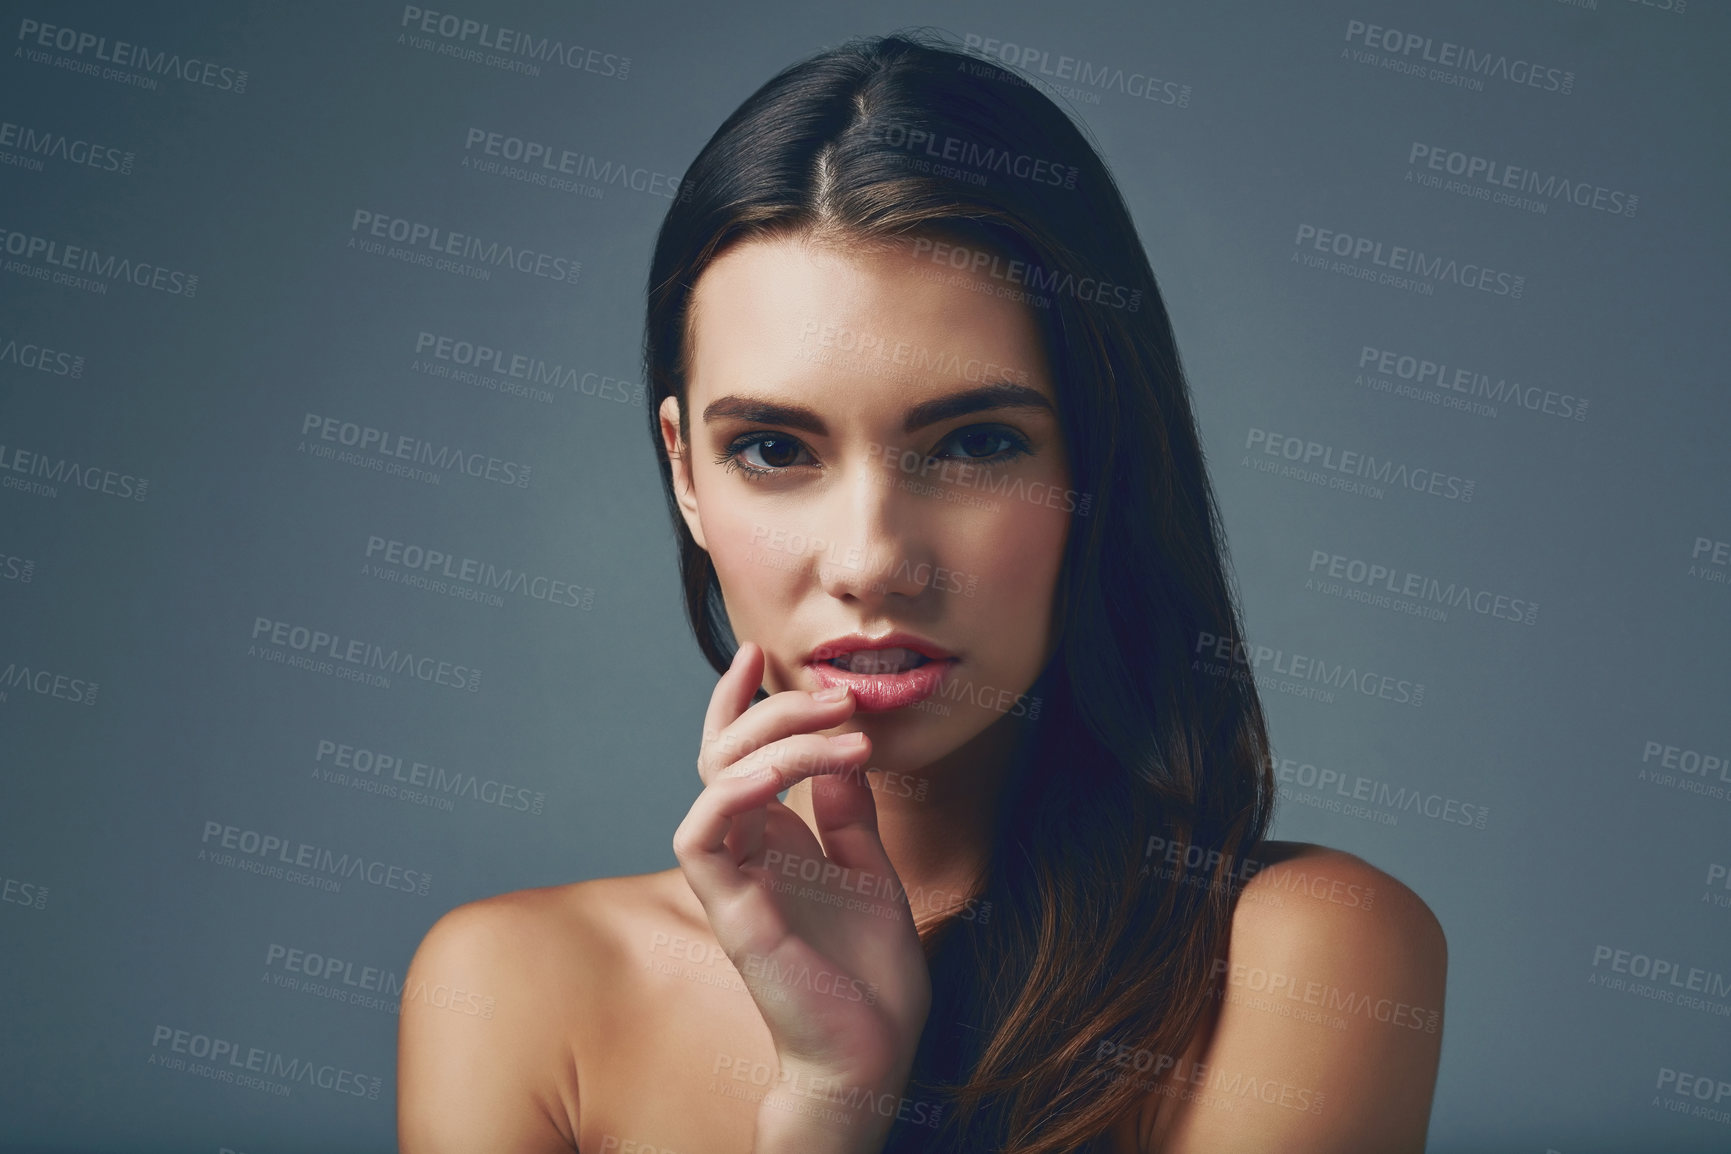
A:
[987,443]
[982,443]
[776,452]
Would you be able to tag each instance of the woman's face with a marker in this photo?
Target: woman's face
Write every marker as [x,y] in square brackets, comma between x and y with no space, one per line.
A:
[875,447]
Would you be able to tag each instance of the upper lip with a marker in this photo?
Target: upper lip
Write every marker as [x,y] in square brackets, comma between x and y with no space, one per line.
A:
[853,642]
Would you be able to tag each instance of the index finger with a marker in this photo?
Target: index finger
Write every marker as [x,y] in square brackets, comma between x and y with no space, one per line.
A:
[733,691]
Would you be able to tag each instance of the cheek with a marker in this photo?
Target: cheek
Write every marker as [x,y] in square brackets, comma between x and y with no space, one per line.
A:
[1019,549]
[755,560]
[1013,561]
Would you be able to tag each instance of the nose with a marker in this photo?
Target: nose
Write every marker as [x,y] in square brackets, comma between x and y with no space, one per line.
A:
[887,533]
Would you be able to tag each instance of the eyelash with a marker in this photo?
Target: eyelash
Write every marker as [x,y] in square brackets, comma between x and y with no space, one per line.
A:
[729,459]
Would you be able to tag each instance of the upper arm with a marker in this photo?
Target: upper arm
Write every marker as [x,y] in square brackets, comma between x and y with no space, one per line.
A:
[474,1045]
[1329,1028]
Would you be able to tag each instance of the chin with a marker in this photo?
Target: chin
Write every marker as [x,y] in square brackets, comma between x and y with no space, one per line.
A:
[910,739]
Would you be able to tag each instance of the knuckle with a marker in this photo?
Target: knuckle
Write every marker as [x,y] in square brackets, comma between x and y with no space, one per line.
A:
[761,760]
[769,763]
[817,755]
[725,748]
[766,766]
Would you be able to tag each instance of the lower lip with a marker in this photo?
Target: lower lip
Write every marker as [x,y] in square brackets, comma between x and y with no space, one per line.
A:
[878,692]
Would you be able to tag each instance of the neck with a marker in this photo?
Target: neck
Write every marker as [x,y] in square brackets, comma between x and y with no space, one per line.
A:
[937,821]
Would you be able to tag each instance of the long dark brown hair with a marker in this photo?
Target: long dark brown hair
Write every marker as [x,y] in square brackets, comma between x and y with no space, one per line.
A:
[1083,947]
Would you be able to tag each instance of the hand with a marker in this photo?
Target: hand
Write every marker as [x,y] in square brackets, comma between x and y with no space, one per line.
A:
[821,933]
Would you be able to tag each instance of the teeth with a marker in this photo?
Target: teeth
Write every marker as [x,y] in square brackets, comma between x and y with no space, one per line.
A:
[879,660]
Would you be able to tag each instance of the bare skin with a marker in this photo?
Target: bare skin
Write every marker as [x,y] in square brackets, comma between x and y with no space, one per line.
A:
[617,986]
[652,1013]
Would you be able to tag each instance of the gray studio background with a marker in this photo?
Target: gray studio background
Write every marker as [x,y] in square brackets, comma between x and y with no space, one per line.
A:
[1558,791]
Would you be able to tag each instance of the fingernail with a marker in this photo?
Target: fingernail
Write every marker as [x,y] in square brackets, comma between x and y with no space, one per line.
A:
[849,740]
[829,693]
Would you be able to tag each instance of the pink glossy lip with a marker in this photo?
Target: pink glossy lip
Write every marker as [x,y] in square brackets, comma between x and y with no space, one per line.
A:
[879,692]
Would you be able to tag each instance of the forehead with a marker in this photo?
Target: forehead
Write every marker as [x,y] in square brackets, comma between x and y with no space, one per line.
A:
[852,325]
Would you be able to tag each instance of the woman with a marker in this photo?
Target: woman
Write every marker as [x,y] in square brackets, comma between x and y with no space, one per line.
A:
[927,446]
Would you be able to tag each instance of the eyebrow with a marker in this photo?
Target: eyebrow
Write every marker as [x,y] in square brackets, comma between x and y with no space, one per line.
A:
[994,395]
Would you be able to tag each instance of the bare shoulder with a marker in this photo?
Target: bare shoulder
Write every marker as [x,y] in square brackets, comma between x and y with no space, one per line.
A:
[1308,892]
[495,1007]
[1326,1030]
